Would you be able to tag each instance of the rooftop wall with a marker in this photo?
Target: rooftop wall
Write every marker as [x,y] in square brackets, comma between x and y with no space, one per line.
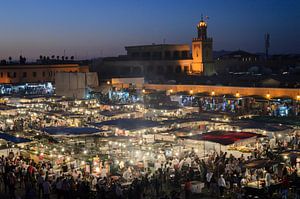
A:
[222,90]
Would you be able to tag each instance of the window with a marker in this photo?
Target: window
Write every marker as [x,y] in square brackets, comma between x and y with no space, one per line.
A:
[149,69]
[1,74]
[24,74]
[184,54]
[167,54]
[135,55]
[34,74]
[159,69]
[15,74]
[176,54]
[146,55]
[136,70]
[8,74]
[125,70]
[178,69]
[156,55]
[44,74]
[186,69]
[170,69]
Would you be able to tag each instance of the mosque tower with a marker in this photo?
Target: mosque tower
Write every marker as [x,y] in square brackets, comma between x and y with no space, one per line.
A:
[202,52]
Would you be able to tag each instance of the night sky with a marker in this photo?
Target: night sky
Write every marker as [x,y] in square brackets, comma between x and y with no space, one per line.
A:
[93,28]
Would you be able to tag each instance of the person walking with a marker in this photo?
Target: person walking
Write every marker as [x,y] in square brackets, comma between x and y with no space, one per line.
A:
[208,179]
[222,185]
[188,189]
[12,185]
[40,182]
[285,187]
[46,189]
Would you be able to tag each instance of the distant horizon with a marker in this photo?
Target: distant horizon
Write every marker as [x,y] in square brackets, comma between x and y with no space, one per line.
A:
[98,28]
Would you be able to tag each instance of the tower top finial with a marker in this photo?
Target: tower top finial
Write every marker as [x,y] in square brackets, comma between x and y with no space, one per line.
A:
[202,23]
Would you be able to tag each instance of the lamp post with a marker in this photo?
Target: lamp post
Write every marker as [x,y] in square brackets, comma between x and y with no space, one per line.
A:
[268,96]
[297,103]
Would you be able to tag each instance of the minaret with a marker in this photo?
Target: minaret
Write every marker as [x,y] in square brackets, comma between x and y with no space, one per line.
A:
[202,51]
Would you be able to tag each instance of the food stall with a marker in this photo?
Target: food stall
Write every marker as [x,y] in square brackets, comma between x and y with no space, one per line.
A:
[256,171]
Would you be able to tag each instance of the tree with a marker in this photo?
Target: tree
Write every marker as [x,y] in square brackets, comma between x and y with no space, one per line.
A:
[72,58]
[9,58]
[67,57]
[63,57]
[41,57]
[22,60]
[53,56]
[57,57]
[3,62]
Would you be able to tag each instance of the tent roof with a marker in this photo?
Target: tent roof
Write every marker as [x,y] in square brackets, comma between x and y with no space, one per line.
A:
[61,130]
[11,138]
[260,163]
[128,124]
[224,137]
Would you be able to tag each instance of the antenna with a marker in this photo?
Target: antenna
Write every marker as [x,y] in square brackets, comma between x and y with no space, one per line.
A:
[267,44]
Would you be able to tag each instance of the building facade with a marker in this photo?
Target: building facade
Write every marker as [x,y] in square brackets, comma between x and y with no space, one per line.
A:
[35,73]
[163,60]
[75,85]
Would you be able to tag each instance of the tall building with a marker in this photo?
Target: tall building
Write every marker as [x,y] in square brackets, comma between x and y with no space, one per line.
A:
[163,60]
[202,51]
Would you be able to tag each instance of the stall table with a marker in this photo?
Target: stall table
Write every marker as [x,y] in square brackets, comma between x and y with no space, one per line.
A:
[197,186]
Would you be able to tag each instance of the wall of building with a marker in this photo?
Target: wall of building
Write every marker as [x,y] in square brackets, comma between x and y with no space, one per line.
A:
[137,82]
[222,90]
[75,85]
[219,90]
[158,52]
[35,73]
[145,68]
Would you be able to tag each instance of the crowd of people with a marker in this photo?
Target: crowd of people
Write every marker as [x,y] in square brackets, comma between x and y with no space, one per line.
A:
[169,177]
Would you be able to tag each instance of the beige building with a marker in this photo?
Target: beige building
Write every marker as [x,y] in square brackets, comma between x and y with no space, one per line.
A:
[36,73]
[75,85]
[164,59]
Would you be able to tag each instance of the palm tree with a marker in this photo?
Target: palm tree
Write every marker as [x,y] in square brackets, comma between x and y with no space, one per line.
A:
[41,57]
[9,58]
[57,57]
[72,58]
[53,56]
[67,57]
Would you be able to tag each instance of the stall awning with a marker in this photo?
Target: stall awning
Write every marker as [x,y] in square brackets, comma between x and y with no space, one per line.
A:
[11,138]
[262,125]
[128,124]
[70,130]
[261,163]
[224,137]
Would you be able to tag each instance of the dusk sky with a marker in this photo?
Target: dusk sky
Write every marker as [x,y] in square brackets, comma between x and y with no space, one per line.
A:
[93,28]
